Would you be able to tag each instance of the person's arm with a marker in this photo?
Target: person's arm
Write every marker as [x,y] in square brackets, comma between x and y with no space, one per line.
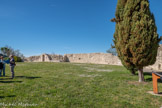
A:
[7,61]
[12,61]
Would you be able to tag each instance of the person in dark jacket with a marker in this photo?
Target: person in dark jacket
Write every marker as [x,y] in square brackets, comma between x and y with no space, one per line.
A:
[3,69]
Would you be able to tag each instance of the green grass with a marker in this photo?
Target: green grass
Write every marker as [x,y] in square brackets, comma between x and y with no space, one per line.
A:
[67,85]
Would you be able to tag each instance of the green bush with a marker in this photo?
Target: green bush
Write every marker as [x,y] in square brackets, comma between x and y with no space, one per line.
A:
[17,59]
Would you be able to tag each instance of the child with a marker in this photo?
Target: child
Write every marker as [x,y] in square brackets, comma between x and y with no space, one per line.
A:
[12,65]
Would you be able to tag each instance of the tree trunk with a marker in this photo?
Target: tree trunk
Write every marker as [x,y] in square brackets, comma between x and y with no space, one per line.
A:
[140,74]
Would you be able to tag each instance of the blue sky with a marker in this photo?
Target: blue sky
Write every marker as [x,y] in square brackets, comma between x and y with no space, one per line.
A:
[61,26]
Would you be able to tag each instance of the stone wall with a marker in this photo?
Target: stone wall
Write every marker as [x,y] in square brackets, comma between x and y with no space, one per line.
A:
[158,63]
[33,59]
[46,58]
[96,58]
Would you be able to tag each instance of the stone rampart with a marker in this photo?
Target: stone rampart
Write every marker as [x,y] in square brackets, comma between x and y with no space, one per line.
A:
[46,58]
[96,58]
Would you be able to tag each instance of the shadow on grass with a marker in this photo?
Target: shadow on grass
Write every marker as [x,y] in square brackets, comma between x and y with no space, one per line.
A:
[150,79]
[145,73]
[148,73]
[10,81]
[160,93]
[7,96]
[5,78]
[27,77]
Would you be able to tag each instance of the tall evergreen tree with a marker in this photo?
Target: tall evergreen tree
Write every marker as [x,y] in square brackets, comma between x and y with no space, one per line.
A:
[135,38]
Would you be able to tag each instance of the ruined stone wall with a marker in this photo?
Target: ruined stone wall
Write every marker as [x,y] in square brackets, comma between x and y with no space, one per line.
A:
[33,59]
[45,58]
[96,58]
[158,63]
[106,58]
[57,58]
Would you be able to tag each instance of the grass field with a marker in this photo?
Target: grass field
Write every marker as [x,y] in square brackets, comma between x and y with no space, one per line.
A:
[66,85]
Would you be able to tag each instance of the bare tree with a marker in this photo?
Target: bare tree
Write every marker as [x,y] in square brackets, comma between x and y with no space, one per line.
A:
[7,50]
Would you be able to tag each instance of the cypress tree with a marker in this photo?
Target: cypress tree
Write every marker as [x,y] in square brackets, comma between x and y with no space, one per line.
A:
[135,38]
